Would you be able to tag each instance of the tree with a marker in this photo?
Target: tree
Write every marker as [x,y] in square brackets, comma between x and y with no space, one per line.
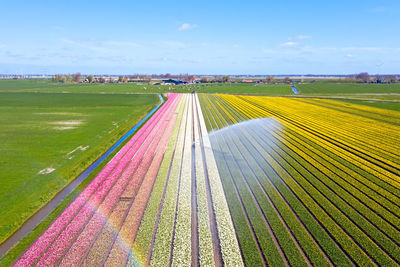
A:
[90,78]
[363,76]
[226,79]
[147,78]
[390,78]
[58,78]
[203,79]
[67,78]
[270,79]
[120,79]
[76,78]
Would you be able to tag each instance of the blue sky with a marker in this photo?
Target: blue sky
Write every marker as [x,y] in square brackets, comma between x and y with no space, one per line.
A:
[202,37]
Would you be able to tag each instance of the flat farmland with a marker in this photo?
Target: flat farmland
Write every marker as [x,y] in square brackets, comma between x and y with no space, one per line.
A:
[328,88]
[386,96]
[48,139]
[209,179]
[47,86]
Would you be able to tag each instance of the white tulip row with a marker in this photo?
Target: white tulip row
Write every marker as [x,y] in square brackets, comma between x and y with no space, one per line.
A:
[206,254]
[182,252]
[162,246]
[231,255]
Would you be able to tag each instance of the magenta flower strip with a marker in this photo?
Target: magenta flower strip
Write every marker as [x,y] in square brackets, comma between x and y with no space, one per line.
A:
[133,177]
[57,249]
[126,235]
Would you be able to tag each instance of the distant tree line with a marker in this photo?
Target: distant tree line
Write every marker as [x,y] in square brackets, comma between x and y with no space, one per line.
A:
[362,77]
[365,77]
[67,78]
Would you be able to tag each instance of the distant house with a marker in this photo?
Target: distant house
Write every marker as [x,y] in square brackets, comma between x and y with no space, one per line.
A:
[247,81]
[173,81]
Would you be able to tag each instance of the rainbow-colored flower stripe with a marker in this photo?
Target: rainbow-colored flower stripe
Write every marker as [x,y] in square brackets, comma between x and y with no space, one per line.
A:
[159,200]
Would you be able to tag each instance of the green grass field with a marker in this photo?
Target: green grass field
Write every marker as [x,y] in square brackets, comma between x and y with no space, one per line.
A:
[386,96]
[48,139]
[320,88]
[46,86]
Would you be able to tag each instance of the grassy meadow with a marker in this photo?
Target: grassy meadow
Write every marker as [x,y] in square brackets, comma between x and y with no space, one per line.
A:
[48,139]
[46,86]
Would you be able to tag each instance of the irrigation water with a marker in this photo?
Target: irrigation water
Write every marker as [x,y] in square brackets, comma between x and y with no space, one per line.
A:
[295,91]
[36,218]
[240,132]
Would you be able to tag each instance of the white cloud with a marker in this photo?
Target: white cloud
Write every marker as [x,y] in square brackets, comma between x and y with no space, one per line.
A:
[350,55]
[187,26]
[303,37]
[289,44]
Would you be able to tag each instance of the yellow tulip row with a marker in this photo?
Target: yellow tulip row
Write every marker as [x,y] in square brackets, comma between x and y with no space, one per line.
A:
[340,161]
[370,158]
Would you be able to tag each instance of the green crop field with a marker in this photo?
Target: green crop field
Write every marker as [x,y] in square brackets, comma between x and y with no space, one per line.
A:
[386,96]
[47,86]
[320,88]
[48,139]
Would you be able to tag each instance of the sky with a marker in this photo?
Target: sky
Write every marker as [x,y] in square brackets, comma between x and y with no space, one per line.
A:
[200,37]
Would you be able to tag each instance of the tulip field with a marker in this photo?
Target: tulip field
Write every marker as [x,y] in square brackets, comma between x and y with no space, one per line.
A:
[228,180]
[308,181]
[159,200]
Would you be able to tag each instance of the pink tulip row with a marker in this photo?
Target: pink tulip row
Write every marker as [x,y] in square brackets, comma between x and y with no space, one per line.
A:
[66,238]
[95,190]
[125,187]
[125,239]
[55,251]
[99,251]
